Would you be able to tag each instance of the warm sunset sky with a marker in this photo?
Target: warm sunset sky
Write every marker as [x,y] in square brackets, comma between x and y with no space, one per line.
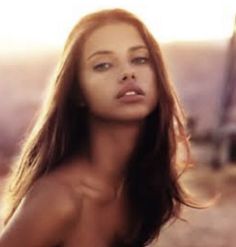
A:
[45,23]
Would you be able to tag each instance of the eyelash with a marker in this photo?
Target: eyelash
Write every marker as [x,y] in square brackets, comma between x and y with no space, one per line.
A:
[140,60]
[105,66]
[102,66]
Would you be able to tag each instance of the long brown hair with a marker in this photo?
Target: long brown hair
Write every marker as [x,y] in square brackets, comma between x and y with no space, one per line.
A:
[154,190]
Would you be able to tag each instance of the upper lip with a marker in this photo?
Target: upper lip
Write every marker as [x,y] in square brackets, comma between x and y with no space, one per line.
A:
[129,88]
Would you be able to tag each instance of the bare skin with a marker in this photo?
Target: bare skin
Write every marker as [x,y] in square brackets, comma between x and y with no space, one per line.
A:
[83,201]
[81,208]
[104,213]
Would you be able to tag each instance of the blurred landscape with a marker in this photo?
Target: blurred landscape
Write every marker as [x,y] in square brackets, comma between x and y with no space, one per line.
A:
[198,72]
[196,69]
[213,226]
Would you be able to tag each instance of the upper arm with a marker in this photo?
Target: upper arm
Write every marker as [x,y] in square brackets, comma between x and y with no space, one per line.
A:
[42,219]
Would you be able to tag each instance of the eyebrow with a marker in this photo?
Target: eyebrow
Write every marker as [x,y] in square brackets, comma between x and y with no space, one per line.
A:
[107,52]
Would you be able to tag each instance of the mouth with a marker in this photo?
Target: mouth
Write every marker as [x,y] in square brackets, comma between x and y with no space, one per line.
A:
[130,91]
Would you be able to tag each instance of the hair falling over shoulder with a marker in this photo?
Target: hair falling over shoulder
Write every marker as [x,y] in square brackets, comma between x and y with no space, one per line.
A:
[154,189]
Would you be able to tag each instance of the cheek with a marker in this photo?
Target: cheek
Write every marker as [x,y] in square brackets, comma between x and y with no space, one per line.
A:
[97,89]
[153,93]
[148,79]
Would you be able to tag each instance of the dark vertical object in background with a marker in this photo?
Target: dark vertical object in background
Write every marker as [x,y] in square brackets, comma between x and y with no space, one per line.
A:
[230,80]
[224,133]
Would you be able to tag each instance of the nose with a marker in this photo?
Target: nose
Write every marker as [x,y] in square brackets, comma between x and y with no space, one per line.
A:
[127,76]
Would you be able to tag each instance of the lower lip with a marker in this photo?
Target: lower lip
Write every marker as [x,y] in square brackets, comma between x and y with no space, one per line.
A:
[131,98]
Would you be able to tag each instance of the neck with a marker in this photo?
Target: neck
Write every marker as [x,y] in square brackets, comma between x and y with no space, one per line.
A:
[111,145]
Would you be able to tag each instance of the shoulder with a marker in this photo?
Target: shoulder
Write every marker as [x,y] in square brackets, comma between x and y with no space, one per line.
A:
[51,195]
[45,215]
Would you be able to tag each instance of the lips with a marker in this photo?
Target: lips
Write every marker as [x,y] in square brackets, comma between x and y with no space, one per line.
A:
[130,88]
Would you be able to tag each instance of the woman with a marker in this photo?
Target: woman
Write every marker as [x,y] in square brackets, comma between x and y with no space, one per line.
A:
[99,168]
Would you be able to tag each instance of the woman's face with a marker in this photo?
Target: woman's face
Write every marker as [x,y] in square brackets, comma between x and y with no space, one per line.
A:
[116,75]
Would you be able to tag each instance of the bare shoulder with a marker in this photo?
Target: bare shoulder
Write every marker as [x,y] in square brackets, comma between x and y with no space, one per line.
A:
[53,194]
[45,215]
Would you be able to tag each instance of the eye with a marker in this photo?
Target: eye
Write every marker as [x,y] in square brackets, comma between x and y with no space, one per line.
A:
[102,66]
[140,60]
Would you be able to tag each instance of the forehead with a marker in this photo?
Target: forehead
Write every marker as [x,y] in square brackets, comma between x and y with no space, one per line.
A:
[111,37]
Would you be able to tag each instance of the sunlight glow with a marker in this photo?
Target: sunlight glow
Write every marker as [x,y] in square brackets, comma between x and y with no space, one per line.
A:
[33,24]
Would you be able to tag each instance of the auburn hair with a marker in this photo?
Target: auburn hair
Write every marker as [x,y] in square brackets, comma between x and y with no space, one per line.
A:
[155,193]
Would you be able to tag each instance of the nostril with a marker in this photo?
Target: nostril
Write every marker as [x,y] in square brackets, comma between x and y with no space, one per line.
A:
[125,77]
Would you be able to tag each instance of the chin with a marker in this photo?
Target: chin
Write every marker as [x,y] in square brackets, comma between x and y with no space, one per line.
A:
[131,116]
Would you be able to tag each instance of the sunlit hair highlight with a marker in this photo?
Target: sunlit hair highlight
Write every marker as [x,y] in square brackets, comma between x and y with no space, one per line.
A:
[154,190]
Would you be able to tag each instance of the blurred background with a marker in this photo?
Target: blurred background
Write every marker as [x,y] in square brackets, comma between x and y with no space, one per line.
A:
[198,40]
